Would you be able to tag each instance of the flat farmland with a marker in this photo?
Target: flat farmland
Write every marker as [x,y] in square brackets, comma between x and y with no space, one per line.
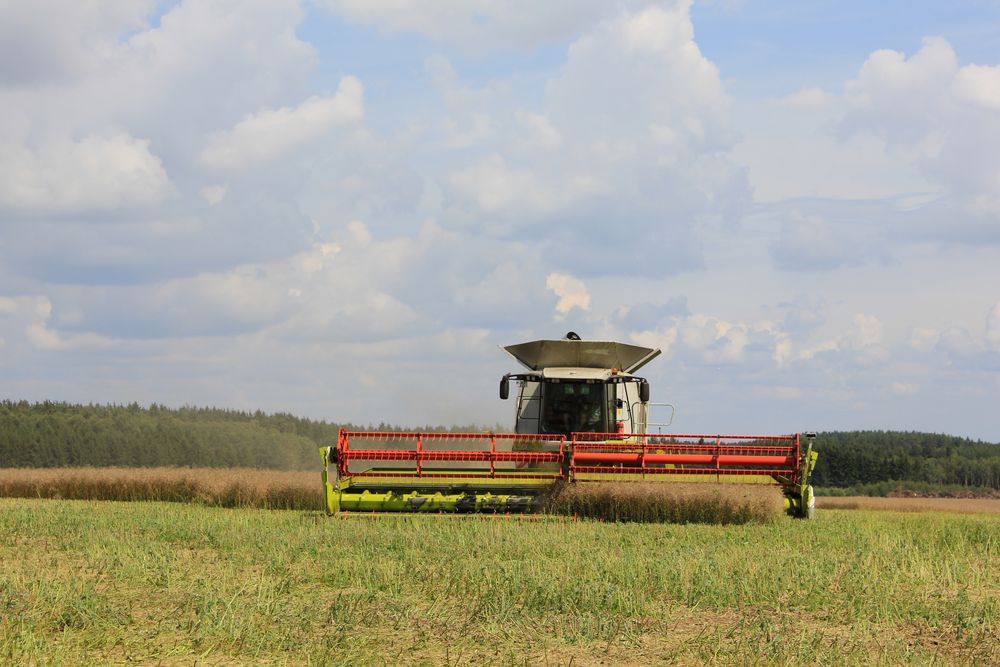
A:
[960,505]
[87,582]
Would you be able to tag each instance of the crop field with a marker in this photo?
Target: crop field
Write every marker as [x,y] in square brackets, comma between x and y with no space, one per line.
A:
[963,505]
[222,487]
[674,502]
[272,489]
[87,582]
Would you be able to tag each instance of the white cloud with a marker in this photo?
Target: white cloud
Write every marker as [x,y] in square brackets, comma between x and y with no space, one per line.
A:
[700,330]
[941,117]
[660,29]
[784,393]
[539,132]
[43,338]
[358,232]
[214,194]
[865,332]
[663,339]
[203,66]
[993,327]
[246,296]
[206,65]
[715,339]
[958,343]
[888,83]
[571,291]
[491,185]
[52,340]
[923,339]
[632,133]
[792,152]
[28,308]
[904,388]
[913,134]
[700,338]
[100,171]
[649,56]
[824,347]
[803,314]
[809,99]
[7,305]
[979,85]
[56,41]
[484,24]
[27,318]
[268,134]
[783,351]
[810,243]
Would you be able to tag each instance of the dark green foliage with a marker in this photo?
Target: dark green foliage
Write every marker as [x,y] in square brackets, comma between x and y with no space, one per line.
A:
[51,435]
[46,435]
[858,458]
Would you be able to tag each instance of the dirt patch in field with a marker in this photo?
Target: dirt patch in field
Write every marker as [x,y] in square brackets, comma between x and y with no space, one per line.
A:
[964,505]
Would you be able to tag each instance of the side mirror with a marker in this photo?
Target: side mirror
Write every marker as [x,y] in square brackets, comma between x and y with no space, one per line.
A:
[505,387]
[644,391]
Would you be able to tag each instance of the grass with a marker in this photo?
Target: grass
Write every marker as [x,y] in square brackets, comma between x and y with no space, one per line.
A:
[222,487]
[671,502]
[95,582]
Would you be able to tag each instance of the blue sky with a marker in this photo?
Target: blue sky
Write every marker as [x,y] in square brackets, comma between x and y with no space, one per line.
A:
[340,208]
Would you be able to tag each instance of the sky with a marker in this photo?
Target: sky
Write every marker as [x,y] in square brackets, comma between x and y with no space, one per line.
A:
[341,208]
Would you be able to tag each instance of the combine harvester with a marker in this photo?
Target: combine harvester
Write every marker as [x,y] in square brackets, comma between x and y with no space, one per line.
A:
[582,417]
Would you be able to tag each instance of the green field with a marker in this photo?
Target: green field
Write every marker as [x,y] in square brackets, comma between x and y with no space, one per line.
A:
[85,582]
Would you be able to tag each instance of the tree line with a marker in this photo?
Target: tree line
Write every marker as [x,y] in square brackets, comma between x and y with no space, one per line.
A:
[50,434]
[853,458]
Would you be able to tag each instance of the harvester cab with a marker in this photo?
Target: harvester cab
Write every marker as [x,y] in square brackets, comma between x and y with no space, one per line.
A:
[581,416]
[575,386]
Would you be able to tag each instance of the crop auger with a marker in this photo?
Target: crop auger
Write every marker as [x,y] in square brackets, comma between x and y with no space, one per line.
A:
[581,416]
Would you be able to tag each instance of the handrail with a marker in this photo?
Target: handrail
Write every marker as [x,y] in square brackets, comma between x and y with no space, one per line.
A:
[580,454]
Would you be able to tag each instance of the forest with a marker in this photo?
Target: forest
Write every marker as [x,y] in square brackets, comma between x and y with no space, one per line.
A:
[50,434]
[858,458]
